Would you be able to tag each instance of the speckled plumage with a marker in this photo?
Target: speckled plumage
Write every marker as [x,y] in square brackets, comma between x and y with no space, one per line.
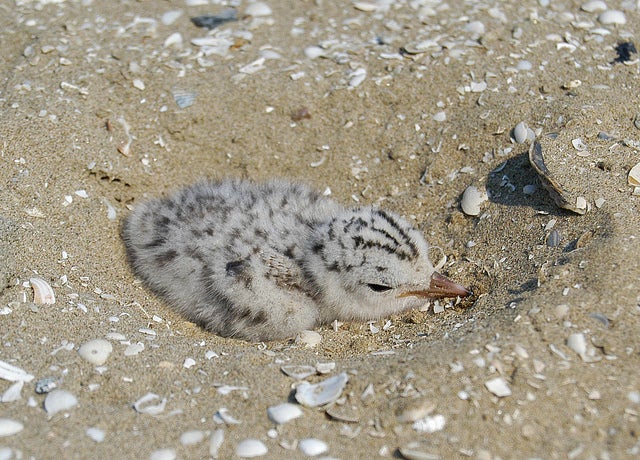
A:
[265,261]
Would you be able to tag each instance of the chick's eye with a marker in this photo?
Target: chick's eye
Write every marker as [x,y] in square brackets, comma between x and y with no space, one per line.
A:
[378,287]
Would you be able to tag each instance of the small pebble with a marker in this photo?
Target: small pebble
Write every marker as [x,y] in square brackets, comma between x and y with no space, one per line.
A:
[429,424]
[578,343]
[96,351]
[250,448]
[312,447]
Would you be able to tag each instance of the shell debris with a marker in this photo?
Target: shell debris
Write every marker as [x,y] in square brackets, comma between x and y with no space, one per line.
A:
[42,292]
[250,448]
[9,427]
[13,373]
[323,392]
[58,401]
[96,351]
[283,413]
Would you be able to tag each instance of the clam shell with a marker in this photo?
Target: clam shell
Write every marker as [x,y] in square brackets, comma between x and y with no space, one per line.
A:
[312,447]
[250,448]
[472,198]
[283,413]
[215,442]
[558,194]
[42,292]
[323,392]
[142,405]
[298,372]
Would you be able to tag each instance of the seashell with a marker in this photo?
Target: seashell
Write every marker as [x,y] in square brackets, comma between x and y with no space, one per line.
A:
[192,437]
[223,416]
[634,176]
[96,434]
[498,387]
[9,427]
[133,349]
[142,405]
[323,392]
[612,17]
[365,6]
[429,424]
[215,442]
[13,374]
[325,368]
[283,413]
[312,447]
[258,9]
[13,392]
[308,338]
[579,144]
[520,132]
[472,198]
[560,196]
[42,292]
[343,414]
[313,52]
[411,452]
[578,343]
[415,410]
[357,77]
[183,98]
[593,6]
[96,351]
[250,448]
[553,240]
[58,401]
[163,454]
[298,372]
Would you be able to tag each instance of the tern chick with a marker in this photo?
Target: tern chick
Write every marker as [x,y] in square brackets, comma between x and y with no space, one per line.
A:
[265,261]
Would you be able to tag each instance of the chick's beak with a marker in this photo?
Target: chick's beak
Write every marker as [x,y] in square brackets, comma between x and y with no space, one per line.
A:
[439,287]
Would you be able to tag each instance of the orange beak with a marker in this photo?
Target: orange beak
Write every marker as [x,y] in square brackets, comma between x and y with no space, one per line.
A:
[440,287]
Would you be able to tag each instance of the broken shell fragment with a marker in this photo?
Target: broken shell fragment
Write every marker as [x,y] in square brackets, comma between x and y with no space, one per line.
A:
[323,392]
[42,292]
[559,194]
[634,176]
[283,413]
[472,198]
[58,401]
[96,351]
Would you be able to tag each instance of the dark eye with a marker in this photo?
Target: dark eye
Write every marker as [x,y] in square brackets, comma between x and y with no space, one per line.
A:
[378,287]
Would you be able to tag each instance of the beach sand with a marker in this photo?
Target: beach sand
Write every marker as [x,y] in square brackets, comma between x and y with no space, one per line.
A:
[408,105]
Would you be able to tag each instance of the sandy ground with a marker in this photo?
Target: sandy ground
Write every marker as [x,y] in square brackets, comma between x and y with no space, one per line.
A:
[78,78]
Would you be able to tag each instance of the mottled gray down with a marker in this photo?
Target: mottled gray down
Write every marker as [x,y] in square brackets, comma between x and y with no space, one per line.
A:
[265,261]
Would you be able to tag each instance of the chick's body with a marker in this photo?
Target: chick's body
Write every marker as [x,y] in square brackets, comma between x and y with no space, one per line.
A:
[265,261]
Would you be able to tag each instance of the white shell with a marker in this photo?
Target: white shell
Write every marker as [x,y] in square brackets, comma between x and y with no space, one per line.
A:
[133,349]
[13,392]
[96,351]
[578,343]
[593,6]
[612,17]
[141,405]
[13,374]
[250,448]
[321,393]
[283,413]
[312,447]
[308,338]
[215,442]
[258,9]
[42,292]
[223,416]
[96,434]
[429,424]
[189,438]
[498,387]
[58,401]
[325,368]
[163,454]
[472,198]
[298,372]
[520,132]
[634,176]
[9,427]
